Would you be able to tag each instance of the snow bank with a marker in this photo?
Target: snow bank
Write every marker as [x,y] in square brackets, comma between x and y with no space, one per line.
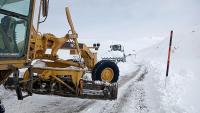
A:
[168,95]
[181,92]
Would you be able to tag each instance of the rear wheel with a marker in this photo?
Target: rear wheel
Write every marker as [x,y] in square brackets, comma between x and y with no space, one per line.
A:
[105,70]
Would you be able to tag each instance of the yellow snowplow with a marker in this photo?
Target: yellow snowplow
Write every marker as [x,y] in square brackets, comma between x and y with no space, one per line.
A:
[21,44]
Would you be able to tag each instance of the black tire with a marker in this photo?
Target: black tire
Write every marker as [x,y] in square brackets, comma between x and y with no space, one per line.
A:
[95,69]
[100,66]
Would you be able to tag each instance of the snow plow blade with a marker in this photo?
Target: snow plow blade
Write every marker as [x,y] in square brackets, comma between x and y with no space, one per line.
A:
[67,82]
[99,90]
[86,90]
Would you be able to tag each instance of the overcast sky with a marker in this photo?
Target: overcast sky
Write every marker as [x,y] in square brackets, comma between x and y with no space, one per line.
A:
[122,19]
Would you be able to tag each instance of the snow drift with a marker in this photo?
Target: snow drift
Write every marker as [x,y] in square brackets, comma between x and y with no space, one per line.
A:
[180,94]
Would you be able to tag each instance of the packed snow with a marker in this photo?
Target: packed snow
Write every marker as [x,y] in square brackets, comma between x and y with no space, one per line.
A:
[143,87]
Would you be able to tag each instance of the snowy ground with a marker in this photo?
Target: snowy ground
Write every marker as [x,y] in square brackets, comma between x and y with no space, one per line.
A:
[143,87]
[179,93]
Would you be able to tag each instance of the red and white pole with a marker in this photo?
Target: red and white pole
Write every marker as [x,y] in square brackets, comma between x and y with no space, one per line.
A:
[169,53]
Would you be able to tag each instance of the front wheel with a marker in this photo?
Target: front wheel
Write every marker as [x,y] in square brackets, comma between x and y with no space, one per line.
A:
[105,70]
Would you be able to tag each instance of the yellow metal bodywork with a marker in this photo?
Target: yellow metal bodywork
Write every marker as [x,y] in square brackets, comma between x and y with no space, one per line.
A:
[4,65]
[49,73]
[55,68]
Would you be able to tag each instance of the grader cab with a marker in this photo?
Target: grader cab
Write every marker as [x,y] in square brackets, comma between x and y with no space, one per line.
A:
[21,44]
[115,54]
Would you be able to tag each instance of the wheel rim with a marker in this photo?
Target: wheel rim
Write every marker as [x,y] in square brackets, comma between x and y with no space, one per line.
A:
[107,74]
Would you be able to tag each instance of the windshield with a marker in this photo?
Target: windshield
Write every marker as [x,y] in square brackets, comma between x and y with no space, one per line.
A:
[116,47]
[17,6]
[13,27]
[12,35]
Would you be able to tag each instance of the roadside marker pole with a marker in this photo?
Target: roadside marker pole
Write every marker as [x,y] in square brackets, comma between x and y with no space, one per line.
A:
[169,55]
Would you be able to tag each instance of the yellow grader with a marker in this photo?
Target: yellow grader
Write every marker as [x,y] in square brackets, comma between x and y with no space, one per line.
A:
[21,44]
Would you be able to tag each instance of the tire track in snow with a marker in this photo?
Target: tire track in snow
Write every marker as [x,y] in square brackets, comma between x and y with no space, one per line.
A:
[77,107]
[125,79]
[63,105]
[135,94]
[140,107]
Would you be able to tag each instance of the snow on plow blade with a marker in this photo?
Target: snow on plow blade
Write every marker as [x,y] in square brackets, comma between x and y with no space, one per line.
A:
[100,90]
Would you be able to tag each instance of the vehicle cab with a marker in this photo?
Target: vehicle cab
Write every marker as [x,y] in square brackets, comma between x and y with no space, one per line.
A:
[15,27]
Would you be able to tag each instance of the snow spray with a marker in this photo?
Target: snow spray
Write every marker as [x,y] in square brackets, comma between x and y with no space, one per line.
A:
[169,54]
